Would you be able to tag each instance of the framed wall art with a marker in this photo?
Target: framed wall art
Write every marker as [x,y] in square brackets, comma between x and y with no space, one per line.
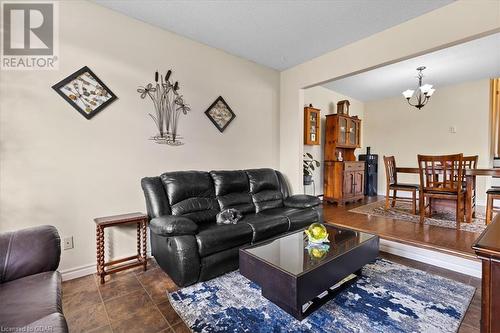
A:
[85,92]
[220,114]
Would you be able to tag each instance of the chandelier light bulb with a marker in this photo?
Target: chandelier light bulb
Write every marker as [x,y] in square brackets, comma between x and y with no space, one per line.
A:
[425,88]
[408,93]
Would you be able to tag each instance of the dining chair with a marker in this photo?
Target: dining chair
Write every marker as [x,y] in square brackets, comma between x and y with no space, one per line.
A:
[391,177]
[470,162]
[492,195]
[441,177]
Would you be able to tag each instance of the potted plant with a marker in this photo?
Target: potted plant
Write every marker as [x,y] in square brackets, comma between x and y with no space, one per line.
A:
[309,165]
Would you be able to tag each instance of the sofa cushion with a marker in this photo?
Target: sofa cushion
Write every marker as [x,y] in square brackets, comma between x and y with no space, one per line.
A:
[215,238]
[233,190]
[191,194]
[302,201]
[265,226]
[30,298]
[156,197]
[265,189]
[171,225]
[297,218]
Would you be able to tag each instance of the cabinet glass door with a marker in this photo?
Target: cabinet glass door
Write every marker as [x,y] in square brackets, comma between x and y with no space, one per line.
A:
[313,123]
[353,132]
[343,130]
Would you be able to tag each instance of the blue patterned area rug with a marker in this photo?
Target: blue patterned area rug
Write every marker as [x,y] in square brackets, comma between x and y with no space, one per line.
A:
[388,298]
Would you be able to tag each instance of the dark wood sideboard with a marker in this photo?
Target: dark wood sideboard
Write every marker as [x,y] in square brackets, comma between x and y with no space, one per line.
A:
[487,248]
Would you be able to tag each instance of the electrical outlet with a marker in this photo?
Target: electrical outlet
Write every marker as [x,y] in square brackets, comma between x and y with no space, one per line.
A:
[68,243]
[453,129]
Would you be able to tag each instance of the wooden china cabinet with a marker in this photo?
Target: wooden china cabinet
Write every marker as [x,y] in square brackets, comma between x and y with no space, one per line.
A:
[344,176]
[312,120]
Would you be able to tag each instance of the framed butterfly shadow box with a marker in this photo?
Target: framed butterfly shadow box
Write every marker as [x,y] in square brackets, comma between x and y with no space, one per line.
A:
[85,92]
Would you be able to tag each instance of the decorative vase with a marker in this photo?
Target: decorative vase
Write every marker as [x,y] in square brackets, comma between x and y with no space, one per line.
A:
[317,233]
[307,179]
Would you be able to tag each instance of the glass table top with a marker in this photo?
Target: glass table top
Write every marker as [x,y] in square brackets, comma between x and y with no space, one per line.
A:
[292,253]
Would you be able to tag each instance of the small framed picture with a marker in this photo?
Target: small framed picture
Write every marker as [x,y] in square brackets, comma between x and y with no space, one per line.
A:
[220,114]
[85,92]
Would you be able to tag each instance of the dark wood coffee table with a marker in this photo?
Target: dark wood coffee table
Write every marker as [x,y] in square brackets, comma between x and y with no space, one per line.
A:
[300,283]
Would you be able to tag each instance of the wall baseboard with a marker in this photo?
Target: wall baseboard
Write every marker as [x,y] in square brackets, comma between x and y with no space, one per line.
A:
[76,272]
[443,260]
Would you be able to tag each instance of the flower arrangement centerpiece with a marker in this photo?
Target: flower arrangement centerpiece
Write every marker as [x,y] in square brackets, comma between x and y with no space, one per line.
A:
[317,236]
[169,105]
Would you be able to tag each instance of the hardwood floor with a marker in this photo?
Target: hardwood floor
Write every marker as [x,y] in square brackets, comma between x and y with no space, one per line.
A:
[446,240]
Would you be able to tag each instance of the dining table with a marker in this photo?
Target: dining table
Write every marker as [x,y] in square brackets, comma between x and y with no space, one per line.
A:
[470,174]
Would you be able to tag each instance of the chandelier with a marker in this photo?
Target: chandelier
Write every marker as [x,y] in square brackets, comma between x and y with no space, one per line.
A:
[423,93]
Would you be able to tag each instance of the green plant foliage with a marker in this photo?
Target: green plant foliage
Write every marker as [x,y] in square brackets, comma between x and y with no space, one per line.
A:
[309,164]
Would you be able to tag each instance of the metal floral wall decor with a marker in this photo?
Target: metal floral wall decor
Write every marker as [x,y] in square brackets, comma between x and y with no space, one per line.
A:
[220,114]
[169,106]
[85,92]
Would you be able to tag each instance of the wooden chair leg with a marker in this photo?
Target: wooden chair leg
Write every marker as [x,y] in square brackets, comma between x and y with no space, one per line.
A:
[460,210]
[429,214]
[394,195]
[474,205]
[414,202]
[489,209]
[421,203]
[387,194]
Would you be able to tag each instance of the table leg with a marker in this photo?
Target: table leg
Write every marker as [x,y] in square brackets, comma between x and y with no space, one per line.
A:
[468,198]
[144,235]
[139,234]
[100,252]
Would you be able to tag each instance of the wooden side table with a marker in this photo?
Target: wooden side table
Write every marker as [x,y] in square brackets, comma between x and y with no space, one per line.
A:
[110,267]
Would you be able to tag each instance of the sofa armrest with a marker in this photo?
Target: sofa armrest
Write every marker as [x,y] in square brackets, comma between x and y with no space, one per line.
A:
[171,225]
[29,251]
[302,201]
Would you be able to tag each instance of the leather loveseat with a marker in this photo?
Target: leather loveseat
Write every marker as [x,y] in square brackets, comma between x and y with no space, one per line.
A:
[30,286]
[186,241]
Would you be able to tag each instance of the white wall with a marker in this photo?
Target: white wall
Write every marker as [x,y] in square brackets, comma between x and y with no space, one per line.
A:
[392,127]
[448,25]
[58,168]
[326,100]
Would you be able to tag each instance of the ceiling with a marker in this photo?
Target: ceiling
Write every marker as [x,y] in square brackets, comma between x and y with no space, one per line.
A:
[276,33]
[474,60]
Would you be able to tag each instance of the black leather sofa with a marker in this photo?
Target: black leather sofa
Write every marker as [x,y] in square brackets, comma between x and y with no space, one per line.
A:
[30,285]
[186,241]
